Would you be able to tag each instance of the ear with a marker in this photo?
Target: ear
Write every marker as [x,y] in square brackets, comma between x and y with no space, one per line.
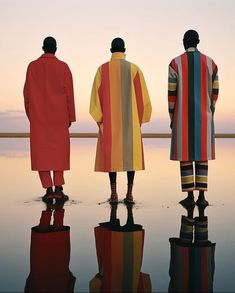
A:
[198,41]
[111,50]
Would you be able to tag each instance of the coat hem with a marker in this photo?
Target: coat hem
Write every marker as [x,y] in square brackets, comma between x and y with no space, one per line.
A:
[119,170]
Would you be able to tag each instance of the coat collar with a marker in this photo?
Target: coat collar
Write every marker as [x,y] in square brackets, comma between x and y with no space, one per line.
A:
[48,55]
[192,49]
[118,55]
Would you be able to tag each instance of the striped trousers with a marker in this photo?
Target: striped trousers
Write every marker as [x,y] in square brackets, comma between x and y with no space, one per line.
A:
[188,183]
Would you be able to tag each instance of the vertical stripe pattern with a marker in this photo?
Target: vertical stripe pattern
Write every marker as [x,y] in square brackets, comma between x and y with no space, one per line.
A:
[119,104]
[192,267]
[119,256]
[192,93]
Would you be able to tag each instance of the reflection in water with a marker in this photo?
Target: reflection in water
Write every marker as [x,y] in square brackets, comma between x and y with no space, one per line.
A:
[119,254]
[50,254]
[192,263]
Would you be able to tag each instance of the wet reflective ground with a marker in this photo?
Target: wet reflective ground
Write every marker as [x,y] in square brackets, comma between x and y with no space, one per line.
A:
[72,246]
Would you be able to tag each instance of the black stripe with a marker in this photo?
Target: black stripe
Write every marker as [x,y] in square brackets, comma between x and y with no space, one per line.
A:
[172,93]
[188,185]
[188,167]
[201,184]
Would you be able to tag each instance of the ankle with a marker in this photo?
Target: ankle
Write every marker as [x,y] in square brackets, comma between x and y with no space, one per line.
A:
[190,195]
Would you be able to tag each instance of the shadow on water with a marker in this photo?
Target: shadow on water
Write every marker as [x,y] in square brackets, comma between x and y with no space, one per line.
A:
[192,259]
[39,199]
[50,253]
[119,252]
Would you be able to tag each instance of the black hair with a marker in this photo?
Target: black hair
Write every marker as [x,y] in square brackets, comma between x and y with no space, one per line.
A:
[191,39]
[49,45]
[118,45]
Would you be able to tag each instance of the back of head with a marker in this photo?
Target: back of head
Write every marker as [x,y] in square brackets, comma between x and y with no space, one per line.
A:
[118,45]
[191,39]
[49,45]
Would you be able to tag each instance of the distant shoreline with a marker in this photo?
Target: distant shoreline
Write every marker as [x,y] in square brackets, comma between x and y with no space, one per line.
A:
[94,135]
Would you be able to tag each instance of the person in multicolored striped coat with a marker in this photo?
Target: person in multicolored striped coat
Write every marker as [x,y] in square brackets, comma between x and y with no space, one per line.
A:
[192,93]
[119,104]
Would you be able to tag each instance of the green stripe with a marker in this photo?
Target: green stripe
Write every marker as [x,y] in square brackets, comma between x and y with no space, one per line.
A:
[126,94]
[191,104]
[128,261]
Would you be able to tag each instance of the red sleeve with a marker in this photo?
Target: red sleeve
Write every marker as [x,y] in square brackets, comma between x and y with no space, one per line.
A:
[70,94]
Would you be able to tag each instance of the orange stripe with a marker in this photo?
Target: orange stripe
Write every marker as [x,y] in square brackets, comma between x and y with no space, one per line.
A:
[185,143]
[116,114]
[117,261]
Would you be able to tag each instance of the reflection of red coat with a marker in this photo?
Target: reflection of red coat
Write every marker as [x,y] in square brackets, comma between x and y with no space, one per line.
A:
[119,256]
[49,104]
[49,262]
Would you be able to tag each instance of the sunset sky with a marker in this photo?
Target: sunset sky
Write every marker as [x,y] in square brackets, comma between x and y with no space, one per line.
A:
[152,30]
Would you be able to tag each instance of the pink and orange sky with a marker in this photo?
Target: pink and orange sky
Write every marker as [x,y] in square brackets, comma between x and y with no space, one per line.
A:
[152,30]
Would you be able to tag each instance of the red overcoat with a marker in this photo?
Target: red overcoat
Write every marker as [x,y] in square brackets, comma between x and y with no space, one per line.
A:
[49,105]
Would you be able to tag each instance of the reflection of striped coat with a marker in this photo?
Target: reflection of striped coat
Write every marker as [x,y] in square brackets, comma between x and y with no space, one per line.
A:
[192,267]
[193,91]
[120,256]
[120,104]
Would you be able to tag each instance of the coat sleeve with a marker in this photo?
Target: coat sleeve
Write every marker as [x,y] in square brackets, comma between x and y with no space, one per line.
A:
[70,94]
[95,101]
[172,89]
[142,98]
[26,92]
[215,87]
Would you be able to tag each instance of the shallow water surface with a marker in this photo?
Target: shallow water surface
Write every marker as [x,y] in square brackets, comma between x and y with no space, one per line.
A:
[157,192]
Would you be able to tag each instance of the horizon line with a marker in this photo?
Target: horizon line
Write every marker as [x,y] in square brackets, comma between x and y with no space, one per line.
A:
[95,135]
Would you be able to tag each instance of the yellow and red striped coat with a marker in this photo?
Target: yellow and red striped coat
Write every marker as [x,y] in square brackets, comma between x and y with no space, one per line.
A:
[119,103]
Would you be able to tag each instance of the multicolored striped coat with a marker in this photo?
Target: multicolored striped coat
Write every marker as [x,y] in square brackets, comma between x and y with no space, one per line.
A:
[192,267]
[119,104]
[120,256]
[192,93]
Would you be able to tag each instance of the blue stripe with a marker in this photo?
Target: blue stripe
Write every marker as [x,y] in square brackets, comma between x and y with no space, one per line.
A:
[198,277]
[197,100]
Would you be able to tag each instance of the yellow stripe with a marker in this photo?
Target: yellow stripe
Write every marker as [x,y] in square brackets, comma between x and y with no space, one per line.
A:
[116,114]
[137,147]
[201,179]
[172,86]
[188,179]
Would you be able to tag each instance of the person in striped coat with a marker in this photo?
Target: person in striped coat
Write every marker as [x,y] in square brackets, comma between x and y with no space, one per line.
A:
[119,104]
[192,93]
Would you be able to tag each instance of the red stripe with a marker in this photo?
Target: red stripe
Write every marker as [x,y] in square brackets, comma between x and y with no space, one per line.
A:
[107,137]
[203,107]
[184,62]
[139,97]
[175,119]
[185,269]
[204,281]
[173,65]
[107,268]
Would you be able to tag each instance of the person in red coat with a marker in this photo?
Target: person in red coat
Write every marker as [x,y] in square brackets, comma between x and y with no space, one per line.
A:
[49,105]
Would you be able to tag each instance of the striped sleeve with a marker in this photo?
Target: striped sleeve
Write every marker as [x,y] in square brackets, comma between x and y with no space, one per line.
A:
[215,86]
[143,99]
[172,88]
[95,102]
